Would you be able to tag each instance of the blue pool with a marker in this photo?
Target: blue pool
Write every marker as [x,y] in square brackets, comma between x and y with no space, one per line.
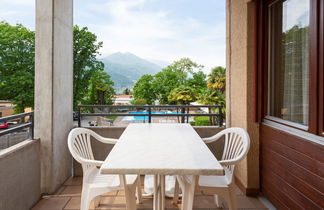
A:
[142,118]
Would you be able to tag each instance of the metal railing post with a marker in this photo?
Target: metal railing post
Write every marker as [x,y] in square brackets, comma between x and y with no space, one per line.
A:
[79,116]
[220,116]
[150,115]
[31,128]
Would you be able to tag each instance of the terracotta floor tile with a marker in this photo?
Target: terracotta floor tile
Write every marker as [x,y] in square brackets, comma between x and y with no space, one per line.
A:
[244,202]
[116,200]
[74,204]
[74,181]
[55,203]
[72,191]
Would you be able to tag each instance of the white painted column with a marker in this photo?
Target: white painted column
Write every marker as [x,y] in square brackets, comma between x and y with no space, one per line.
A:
[54,89]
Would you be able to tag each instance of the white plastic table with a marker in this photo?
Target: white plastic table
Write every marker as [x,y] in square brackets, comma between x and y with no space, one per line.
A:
[161,149]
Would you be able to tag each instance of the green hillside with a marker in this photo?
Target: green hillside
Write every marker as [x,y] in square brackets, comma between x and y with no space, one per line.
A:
[126,68]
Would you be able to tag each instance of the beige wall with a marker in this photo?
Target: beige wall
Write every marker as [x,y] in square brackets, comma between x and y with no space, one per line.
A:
[20,176]
[240,65]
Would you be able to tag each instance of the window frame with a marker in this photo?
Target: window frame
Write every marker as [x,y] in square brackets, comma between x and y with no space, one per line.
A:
[316,74]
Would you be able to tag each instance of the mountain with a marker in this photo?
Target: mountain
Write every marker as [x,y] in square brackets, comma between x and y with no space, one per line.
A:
[126,68]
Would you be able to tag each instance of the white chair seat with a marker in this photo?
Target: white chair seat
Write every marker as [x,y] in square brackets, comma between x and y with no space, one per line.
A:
[110,180]
[213,181]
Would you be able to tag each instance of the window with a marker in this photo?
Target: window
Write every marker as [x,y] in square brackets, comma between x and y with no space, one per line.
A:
[289,61]
[291,69]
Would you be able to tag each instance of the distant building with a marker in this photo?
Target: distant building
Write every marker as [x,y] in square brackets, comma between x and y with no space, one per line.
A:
[123,99]
[6,108]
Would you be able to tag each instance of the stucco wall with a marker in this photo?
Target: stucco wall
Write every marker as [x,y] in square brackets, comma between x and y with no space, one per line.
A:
[240,67]
[20,176]
[101,150]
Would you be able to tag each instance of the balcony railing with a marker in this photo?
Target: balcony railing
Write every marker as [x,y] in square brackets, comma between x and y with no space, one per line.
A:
[25,120]
[182,111]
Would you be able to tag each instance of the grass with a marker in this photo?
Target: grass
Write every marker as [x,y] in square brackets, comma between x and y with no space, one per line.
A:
[112,117]
[200,121]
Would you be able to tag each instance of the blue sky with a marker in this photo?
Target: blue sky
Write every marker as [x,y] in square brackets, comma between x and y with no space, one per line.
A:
[153,29]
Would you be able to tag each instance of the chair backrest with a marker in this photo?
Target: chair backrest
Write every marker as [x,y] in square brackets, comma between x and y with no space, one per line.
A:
[236,147]
[79,145]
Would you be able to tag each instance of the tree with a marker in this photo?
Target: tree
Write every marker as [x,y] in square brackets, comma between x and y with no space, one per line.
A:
[182,95]
[101,89]
[85,50]
[217,79]
[143,89]
[198,81]
[175,75]
[139,102]
[127,91]
[17,52]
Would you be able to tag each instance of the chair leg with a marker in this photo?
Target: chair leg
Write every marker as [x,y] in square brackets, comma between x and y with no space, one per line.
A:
[130,191]
[85,200]
[139,189]
[232,199]
[216,198]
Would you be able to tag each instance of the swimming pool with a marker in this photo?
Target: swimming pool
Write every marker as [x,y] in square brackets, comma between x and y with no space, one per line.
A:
[142,118]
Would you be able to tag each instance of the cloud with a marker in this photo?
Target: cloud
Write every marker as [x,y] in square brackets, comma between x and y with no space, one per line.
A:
[154,32]
[127,26]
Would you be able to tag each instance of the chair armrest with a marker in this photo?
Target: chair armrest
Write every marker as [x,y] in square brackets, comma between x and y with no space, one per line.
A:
[91,162]
[103,139]
[213,138]
[108,140]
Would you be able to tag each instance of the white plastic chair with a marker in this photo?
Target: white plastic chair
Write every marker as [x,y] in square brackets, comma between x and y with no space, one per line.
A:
[94,183]
[236,147]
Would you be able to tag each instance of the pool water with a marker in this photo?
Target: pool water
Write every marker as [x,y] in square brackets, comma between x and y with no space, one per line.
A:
[146,112]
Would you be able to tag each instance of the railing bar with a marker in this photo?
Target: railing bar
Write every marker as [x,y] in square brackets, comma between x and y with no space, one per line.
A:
[143,115]
[11,130]
[147,106]
[17,116]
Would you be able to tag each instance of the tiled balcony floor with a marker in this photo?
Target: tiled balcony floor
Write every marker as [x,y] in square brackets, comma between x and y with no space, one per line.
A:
[68,198]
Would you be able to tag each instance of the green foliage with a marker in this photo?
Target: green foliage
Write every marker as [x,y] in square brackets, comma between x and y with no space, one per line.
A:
[198,81]
[181,73]
[182,95]
[85,50]
[139,101]
[127,91]
[217,79]
[143,89]
[100,89]
[17,52]
[201,121]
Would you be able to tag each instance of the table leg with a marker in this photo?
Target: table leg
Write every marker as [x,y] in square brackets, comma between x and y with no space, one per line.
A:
[162,184]
[155,195]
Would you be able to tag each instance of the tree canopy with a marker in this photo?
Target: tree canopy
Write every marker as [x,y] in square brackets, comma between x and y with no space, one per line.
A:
[183,72]
[17,55]
[17,52]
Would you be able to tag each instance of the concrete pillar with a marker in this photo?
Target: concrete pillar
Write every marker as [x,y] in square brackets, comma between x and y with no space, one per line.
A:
[239,98]
[53,89]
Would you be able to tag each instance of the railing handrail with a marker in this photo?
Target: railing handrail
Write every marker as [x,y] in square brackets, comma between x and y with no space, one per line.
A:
[29,124]
[148,106]
[151,114]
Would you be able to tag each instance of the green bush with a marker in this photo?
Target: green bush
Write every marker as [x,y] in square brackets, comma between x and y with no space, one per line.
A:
[201,121]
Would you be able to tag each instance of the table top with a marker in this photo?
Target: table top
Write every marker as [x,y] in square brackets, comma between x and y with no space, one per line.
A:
[168,149]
